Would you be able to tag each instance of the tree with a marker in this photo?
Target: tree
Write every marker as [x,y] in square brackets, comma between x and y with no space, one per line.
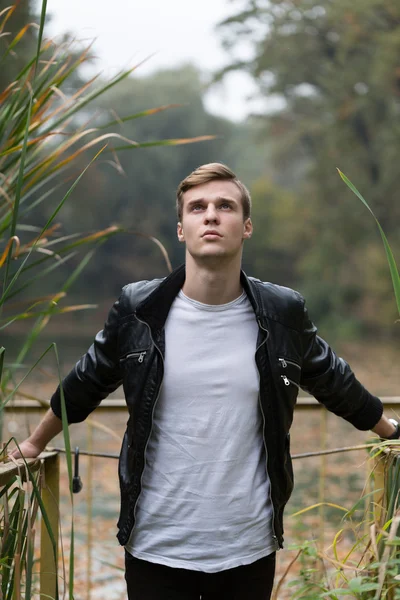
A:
[335,68]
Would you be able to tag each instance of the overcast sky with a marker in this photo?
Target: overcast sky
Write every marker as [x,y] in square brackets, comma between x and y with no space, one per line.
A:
[177,31]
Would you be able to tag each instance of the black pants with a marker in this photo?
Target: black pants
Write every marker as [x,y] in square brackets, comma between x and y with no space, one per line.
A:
[151,581]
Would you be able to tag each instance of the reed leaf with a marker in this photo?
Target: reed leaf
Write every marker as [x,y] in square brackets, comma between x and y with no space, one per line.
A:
[42,274]
[41,27]
[18,189]
[11,395]
[45,316]
[68,455]
[5,489]
[143,113]
[89,98]
[2,353]
[170,142]
[393,487]
[38,498]
[358,504]
[45,313]
[52,217]
[7,12]
[317,505]
[389,254]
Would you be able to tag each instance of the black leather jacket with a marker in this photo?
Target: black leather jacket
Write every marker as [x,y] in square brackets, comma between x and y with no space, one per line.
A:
[130,349]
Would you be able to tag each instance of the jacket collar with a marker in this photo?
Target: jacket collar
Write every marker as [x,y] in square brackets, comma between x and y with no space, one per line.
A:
[155,308]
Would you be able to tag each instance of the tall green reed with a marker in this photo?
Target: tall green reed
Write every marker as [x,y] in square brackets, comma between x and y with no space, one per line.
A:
[389,254]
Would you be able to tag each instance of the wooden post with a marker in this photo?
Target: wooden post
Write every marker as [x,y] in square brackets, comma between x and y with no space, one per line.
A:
[368,490]
[89,483]
[379,487]
[51,501]
[322,477]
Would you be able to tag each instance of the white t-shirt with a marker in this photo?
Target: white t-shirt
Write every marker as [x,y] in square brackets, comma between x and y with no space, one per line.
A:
[205,500]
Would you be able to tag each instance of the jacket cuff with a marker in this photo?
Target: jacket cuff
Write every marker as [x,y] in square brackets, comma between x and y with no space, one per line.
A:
[368,415]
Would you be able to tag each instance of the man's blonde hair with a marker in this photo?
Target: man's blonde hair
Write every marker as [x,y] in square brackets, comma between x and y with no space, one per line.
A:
[212,172]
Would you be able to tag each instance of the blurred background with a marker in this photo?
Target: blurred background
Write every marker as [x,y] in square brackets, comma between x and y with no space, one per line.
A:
[291,90]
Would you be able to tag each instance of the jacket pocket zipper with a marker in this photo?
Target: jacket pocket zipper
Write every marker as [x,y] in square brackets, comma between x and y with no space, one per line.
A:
[284,362]
[288,381]
[139,355]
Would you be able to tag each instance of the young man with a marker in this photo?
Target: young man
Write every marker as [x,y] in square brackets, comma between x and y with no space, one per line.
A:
[211,361]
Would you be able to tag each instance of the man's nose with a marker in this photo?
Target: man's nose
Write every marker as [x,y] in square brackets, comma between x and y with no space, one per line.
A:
[211,213]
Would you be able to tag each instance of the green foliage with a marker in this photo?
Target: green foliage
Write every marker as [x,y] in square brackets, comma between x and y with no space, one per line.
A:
[17,526]
[370,569]
[43,140]
[17,20]
[333,67]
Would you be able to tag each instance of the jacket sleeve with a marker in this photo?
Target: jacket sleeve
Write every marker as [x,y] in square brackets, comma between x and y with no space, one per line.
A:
[331,381]
[94,376]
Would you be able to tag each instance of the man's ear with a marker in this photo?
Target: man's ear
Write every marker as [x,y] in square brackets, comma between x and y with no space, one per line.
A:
[247,229]
[179,231]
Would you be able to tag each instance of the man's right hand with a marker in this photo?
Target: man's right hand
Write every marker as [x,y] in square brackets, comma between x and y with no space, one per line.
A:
[27,449]
[48,428]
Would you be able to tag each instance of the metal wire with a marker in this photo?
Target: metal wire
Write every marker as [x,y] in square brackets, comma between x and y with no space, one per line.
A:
[294,456]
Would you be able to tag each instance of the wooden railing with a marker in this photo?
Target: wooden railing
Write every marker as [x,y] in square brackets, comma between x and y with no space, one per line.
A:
[49,463]
[49,486]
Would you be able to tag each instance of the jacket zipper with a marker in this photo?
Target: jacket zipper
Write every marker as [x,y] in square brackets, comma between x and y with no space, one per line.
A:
[265,445]
[288,381]
[139,355]
[284,362]
[152,415]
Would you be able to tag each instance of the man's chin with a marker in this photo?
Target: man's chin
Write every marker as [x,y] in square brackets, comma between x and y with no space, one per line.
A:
[210,254]
[213,258]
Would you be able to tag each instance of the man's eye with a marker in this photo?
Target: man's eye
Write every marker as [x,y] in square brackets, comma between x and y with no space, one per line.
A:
[196,206]
[225,205]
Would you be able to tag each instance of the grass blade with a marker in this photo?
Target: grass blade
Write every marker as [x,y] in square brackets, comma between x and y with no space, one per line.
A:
[40,36]
[52,217]
[389,254]
[2,353]
[170,142]
[18,189]
[68,455]
[42,273]
[144,113]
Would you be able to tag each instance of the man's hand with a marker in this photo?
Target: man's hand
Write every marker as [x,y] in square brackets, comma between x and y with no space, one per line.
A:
[27,449]
[48,428]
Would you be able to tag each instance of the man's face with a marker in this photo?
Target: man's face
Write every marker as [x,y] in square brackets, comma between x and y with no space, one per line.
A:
[212,223]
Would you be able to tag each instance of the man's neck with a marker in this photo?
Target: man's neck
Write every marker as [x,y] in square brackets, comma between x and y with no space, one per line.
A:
[212,284]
